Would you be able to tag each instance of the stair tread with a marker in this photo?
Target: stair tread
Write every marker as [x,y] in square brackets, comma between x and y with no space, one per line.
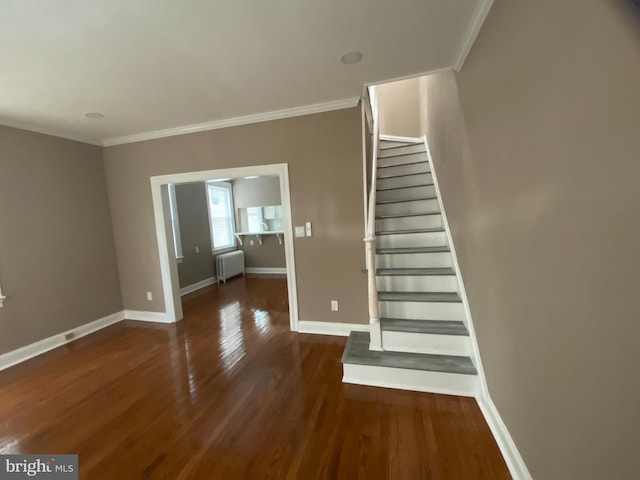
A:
[383,202]
[389,147]
[415,271]
[438,249]
[417,230]
[420,152]
[402,215]
[444,297]
[402,175]
[357,352]
[404,164]
[401,188]
[434,327]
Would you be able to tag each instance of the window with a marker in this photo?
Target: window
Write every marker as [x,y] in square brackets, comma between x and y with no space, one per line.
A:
[220,204]
[254,219]
[175,223]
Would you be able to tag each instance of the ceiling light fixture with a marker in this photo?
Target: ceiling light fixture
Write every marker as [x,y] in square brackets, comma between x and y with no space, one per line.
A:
[94,115]
[218,180]
[252,177]
[351,58]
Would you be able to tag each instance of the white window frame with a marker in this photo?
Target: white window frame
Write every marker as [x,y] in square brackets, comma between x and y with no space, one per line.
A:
[175,223]
[231,212]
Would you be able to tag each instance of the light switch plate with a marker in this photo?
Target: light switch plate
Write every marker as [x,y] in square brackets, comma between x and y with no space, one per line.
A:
[308,227]
[299,231]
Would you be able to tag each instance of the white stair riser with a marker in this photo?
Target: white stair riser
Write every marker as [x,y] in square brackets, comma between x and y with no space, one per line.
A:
[408,223]
[422,310]
[414,260]
[415,206]
[405,181]
[416,148]
[415,380]
[402,160]
[426,343]
[409,193]
[422,167]
[417,283]
[385,144]
[406,240]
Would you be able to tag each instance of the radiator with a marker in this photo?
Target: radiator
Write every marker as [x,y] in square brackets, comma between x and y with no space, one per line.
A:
[229,265]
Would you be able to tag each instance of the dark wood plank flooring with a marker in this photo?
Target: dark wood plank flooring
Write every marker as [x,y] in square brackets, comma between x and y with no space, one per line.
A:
[231,393]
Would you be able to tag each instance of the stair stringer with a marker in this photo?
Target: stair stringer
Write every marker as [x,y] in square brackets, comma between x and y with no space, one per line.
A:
[468,320]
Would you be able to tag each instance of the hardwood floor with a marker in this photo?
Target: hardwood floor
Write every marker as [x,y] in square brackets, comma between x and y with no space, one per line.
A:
[231,393]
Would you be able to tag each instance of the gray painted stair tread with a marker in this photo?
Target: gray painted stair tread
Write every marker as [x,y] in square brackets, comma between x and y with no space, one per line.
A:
[403,215]
[419,152]
[418,230]
[414,271]
[402,165]
[437,249]
[402,174]
[402,188]
[390,147]
[357,352]
[434,327]
[382,202]
[445,297]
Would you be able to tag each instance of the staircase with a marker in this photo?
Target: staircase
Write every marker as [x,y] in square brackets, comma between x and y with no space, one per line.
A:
[425,343]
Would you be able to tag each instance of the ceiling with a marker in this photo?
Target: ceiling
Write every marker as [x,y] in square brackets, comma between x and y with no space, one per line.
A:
[151,65]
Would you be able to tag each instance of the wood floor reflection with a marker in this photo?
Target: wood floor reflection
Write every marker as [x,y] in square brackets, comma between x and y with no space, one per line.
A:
[231,393]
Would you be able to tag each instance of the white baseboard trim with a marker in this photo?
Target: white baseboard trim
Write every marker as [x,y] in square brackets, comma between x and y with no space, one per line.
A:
[198,285]
[38,348]
[331,328]
[159,317]
[266,270]
[395,138]
[512,457]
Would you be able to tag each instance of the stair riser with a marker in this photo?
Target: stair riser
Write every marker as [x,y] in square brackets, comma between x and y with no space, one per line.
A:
[408,223]
[406,240]
[402,160]
[410,193]
[415,283]
[385,144]
[415,380]
[403,170]
[416,148]
[404,181]
[414,260]
[415,206]
[422,310]
[426,343]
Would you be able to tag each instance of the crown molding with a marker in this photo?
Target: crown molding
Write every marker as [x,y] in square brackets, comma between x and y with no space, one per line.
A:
[235,121]
[479,16]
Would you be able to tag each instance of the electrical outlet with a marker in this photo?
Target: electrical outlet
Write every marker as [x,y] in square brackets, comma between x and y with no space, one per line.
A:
[197,249]
[334,305]
[149,296]
[299,231]
[308,228]
[250,242]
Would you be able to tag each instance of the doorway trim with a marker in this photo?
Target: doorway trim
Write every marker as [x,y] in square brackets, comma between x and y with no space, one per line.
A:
[168,266]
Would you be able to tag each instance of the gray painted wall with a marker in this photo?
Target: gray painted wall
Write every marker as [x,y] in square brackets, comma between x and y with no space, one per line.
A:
[536,148]
[57,255]
[324,154]
[191,203]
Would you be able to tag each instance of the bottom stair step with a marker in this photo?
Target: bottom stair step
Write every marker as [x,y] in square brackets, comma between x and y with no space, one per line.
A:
[450,374]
